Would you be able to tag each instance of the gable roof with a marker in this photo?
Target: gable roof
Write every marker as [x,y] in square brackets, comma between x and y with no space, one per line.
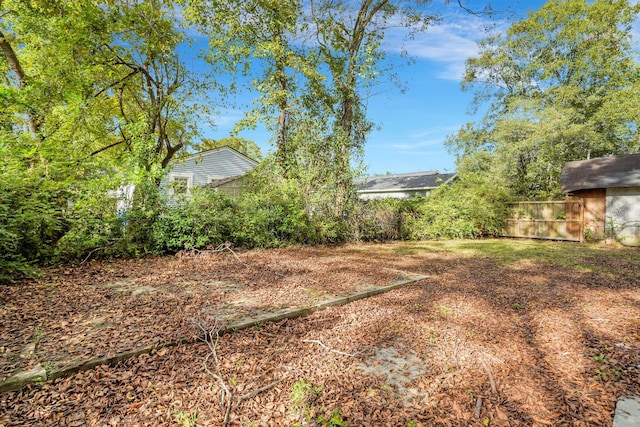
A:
[214,151]
[414,181]
[604,172]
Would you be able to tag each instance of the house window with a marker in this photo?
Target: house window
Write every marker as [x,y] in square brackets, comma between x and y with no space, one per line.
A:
[181,184]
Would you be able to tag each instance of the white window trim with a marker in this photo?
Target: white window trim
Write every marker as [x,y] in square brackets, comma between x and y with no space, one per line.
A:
[211,178]
[189,176]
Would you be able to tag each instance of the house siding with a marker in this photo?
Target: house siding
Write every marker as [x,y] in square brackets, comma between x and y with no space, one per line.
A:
[219,163]
[623,214]
[216,164]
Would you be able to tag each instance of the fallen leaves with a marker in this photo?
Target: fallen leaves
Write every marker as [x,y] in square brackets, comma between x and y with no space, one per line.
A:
[528,366]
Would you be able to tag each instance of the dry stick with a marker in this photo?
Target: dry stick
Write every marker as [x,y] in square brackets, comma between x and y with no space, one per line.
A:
[227,245]
[478,409]
[91,253]
[226,395]
[494,390]
[212,343]
[256,392]
[330,349]
[247,396]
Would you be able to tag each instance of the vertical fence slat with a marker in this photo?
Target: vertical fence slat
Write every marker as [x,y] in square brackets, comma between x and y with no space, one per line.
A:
[555,220]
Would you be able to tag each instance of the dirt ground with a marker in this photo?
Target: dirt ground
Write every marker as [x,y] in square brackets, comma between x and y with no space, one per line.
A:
[487,339]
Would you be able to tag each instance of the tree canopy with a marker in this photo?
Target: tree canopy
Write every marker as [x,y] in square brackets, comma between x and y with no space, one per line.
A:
[561,85]
[95,96]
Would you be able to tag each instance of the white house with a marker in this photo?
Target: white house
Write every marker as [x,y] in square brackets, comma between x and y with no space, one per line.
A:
[403,186]
[220,168]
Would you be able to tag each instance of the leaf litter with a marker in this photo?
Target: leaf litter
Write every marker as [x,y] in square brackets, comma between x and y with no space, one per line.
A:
[477,343]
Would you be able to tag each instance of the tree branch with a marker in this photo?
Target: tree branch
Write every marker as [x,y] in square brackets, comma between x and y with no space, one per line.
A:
[100,150]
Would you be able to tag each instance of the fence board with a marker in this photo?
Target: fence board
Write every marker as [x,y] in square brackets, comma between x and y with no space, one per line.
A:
[554,220]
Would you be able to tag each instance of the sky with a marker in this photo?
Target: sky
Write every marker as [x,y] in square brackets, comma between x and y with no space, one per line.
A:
[411,127]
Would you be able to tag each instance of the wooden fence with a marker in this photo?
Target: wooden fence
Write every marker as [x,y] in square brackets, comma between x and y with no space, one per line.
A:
[556,220]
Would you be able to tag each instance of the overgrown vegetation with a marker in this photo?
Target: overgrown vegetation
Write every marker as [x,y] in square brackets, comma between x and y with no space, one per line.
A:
[275,213]
[272,211]
[94,96]
[560,85]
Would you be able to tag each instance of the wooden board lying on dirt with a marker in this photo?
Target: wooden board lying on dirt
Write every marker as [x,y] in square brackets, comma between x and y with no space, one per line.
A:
[502,333]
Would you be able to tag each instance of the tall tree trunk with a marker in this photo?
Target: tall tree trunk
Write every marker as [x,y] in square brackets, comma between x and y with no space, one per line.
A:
[14,65]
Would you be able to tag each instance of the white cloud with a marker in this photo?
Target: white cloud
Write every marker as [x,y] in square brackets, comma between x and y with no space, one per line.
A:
[447,44]
[409,146]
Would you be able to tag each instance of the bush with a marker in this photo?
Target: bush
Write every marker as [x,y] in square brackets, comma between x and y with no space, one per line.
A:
[377,220]
[207,218]
[469,208]
[276,211]
[31,222]
[271,211]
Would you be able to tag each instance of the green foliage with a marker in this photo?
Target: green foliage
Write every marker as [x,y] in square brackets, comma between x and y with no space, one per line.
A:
[378,219]
[271,211]
[562,85]
[272,218]
[335,420]
[32,211]
[469,208]
[204,219]
[186,418]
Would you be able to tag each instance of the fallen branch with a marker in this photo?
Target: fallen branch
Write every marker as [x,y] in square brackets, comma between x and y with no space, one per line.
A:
[91,253]
[256,392]
[226,246]
[211,337]
[494,389]
[332,350]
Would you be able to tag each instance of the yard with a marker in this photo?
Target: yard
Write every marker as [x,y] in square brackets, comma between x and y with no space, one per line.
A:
[500,333]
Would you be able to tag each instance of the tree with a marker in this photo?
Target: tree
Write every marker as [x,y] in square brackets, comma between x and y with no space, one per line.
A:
[243,34]
[562,85]
[349,36]
[152,92]
[92,95]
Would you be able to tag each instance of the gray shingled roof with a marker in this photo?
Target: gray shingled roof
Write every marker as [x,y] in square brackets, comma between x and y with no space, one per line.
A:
[405,182]
[605,172]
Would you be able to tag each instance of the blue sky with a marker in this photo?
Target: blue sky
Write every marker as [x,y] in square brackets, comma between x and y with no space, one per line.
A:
[412,126]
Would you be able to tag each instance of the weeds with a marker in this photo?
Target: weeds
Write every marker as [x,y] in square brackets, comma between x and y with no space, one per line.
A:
[607,370]
[186,419]
[303,397]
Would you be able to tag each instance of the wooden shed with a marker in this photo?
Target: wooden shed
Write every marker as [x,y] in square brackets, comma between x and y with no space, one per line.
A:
[610,190]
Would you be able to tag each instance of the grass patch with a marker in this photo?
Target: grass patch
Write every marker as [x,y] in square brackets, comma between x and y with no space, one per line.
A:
[610,259]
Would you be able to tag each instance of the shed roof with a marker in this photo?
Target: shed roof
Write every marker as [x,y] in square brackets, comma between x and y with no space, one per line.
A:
[405,182]
[605,172]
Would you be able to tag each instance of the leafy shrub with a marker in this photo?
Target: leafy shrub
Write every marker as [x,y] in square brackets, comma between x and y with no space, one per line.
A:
[275,211]
[205,218]
[31,221]
[377,220]
[469,208]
